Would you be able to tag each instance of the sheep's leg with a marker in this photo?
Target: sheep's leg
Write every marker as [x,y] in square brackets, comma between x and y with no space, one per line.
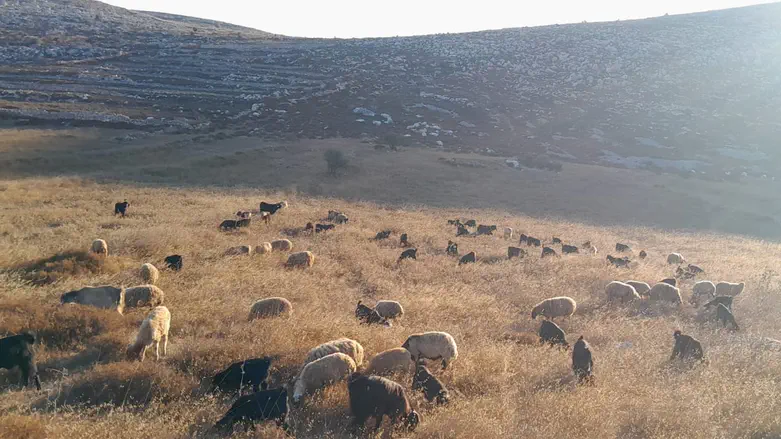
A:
[165,345]
[263,385]
[378,424]
[25,375]
[157,350]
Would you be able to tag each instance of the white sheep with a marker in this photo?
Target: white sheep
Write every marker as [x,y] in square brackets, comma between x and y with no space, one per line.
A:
[104,296]
[642,288]
[321,372]
[154,330]
[239,250]
[555,307]
[508,233]
[99,247]
[675,258]
[620,291]
[149,273]
[665,293]
[703,291]
[282,245]
[263,248]
[343,345]
[729,289]
[432,346]
[391,361]
[389,309]
[271,307]
[144,295]
[301,259]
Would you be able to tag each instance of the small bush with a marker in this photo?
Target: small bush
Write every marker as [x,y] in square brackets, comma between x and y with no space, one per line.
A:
[335,160]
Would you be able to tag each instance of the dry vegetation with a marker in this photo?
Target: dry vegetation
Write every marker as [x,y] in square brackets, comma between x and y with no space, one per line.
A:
[502,388]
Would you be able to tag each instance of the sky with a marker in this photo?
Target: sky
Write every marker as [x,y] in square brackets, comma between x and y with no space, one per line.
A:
[383,18]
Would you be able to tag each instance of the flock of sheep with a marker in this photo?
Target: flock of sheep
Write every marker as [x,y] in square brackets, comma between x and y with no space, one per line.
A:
[371,394]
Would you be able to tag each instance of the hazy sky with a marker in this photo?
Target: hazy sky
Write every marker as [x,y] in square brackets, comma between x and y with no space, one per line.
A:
[366,18]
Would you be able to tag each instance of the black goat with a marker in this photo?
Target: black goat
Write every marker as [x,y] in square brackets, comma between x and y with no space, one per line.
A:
[432,387]
[121,208]
[373,396]
[17,351]
[259,406]
[552,334]
[243,373]
[174,262]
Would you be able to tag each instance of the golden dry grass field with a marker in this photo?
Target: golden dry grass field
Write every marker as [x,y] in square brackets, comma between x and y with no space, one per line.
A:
[504,385]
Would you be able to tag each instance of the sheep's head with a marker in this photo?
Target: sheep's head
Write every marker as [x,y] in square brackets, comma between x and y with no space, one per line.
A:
[413,419]
[534,314]
[135,352]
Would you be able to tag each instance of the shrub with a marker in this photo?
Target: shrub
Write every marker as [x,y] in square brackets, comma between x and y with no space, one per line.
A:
[335,160]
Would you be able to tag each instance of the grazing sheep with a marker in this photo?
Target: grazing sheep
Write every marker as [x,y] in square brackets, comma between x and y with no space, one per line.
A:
[368,316]
[720,300]
[410,253]
[674,258]
[396,360]
[382,235]
[432,346]
[452,248]
[343,345]
[619,262]
[725,316]
[324,227]
[462,231]
[321,372]
[149,273]
[669,281]
[143,295]
[643,254]
[567,249]
[332,214]
[99,247]
[260,406]
[282,245]
[702,290]
[515,252]
[485,230]
[301,260]
[552,334]
[469,258]
[470,223]
[686,348]
[17,351]
[105,296]
[264,248]
[389,309]
[239,250]
[270,307]
[620,291]
[663,292]
[270,208]
[228,225]
[729,289]
[373,396]
[508,233]
[547,251]
[582,360]
[341,219]
[121,208]
[174,262]
[555,307]
[244,222]
[556,240]
[532,241]
[153,330]
[253,371]
[431,386]
[622,247]
[404,240]
[642,288]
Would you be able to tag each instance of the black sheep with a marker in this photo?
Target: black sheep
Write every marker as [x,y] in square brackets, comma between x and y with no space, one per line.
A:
[432,387]
[174,262]
[567,249]
[556,240]
[17,351]
[452,248]
[462,231]
[469,258]
[721,300]
[243,373]
[485,230]
[643,254]
[618,262]
[404,240]
[471,223]
[547,251]
[523,239]
[382,235]
[669,281]
[324,227]
[622,247]
[259,406]
[515,252]
[551,333]
[228,225]
[378,397]
[121,208]
[270,208]
[725,316]
[686,348]
[410,253]
[582,361]
[369,316]
[532,241]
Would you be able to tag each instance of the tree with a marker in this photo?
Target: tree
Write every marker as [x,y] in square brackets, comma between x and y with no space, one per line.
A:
[335,160]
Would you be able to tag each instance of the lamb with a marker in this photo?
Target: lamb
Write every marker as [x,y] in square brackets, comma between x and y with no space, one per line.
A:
[149,273]
[567,249]
[154,330]
[343,345]
[99,247]
[396,360]
[389,309]
[121,208]
[432,346]
[264,405]
[369,316]
[725,316]
[452,248]
[469,258]
[620,291]
[264,248]
[321,372]
[686,348]
[282,245]
[729,289]
[174,262]
[669,281]
[105,296]
[642,288]
[515,252]
[341,219]
[547,251]
[702,290]
[485,230]
[663,292]
[431,386]
[552,334]
[301,260]
[410,253]
[675,258]
[239,250]
[373,396]
[17,351]
[720,300]
[508,233]
[622,247]
[382,235]
[270,307]
[582,360]
[555,307]
[143,295]
[253,371]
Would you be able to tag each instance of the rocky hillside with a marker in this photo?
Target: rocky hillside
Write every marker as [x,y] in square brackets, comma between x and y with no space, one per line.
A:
[697,93]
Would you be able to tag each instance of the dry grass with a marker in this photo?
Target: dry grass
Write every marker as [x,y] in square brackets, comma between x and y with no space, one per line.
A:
[503,385]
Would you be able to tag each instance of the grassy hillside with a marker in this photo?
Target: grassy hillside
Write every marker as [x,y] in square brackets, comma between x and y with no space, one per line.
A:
[504,384]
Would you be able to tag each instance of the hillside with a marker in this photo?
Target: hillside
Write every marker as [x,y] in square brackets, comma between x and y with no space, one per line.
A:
[693,94]
[503,384]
